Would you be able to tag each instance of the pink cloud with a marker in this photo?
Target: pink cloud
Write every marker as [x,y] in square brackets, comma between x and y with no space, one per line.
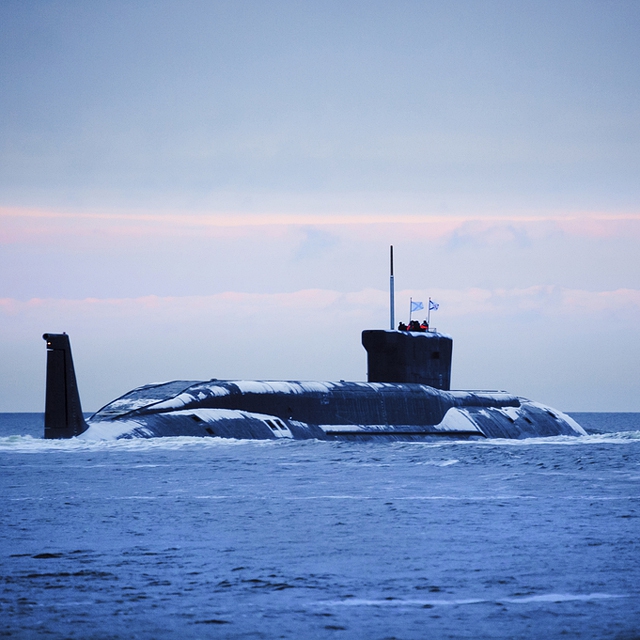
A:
[547,300]
[277,239]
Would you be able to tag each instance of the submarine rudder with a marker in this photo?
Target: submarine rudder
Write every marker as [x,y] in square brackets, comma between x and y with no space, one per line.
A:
[63,411]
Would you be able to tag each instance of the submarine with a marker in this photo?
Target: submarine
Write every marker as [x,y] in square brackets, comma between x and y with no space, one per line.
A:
[407,397]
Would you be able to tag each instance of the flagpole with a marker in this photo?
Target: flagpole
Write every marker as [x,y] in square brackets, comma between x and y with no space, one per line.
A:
[392,304]
[429,314]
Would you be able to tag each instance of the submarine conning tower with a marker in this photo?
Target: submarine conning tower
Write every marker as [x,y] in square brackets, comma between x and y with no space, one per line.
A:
[408,356]
[62,411]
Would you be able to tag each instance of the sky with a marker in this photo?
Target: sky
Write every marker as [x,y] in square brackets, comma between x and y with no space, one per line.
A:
[209,189]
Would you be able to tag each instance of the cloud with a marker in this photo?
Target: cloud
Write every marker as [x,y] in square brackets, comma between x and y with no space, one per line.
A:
[315,243]
[544,300]
[479,233]
[547,300]
[23,224]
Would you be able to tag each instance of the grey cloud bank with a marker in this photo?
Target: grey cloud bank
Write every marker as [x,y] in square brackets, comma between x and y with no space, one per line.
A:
[484,104]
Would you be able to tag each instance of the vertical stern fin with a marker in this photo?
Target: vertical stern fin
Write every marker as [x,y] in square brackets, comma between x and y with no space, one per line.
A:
[63,412]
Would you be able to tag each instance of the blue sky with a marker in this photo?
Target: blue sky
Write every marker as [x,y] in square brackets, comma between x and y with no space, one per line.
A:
[224,179]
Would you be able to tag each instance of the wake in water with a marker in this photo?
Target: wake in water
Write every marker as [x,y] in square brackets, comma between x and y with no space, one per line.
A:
[440,602]
[31,444]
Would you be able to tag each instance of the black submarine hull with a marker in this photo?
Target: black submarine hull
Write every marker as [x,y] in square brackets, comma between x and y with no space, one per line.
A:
[323,411]
[270,410]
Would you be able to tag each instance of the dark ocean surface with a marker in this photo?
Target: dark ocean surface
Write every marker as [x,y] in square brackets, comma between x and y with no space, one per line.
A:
[206,538]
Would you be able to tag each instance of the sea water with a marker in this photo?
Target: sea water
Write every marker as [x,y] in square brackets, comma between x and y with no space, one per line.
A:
[209,538]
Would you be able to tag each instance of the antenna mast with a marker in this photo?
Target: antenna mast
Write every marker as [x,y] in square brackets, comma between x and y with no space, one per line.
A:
[392,304]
